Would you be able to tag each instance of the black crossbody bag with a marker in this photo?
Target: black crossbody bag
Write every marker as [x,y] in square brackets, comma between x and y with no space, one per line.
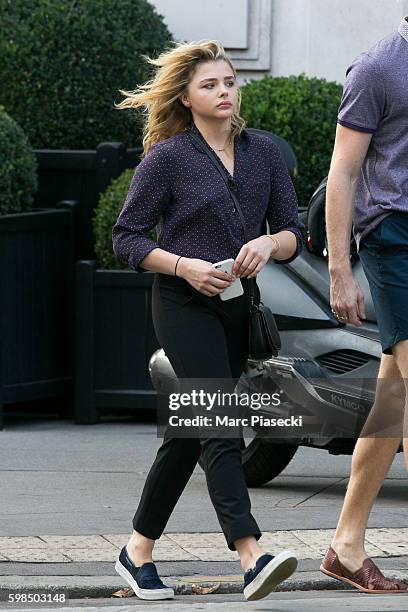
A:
[264,339]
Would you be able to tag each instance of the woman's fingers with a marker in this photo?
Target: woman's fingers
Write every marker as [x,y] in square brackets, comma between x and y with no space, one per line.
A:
[256,271]
[220,283]
[249,266]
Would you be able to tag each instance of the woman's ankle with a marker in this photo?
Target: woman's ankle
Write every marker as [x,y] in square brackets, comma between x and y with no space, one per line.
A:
[140,548]
[138,556]
[248,559]
[249,551]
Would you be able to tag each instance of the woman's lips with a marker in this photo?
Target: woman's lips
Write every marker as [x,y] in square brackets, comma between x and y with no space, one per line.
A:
[224,104]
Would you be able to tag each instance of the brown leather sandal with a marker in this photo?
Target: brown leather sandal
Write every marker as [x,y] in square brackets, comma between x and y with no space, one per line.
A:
[368,579]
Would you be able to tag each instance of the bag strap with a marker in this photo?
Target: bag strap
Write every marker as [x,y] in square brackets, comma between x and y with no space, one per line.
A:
[230,184]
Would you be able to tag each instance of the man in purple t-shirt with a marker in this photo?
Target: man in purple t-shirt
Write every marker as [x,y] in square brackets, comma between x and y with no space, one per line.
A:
[367,190]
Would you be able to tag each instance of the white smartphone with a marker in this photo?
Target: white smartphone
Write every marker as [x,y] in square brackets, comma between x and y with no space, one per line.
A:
[235,289]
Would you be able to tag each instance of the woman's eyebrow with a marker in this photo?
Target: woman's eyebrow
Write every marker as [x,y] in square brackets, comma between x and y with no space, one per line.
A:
[214,79]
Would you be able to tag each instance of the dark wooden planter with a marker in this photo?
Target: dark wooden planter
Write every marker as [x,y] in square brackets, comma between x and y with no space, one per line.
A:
[114,341]
[37,283]
[81,175]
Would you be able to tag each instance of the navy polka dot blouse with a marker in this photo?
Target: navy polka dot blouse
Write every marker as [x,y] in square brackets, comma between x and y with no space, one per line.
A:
[176,189]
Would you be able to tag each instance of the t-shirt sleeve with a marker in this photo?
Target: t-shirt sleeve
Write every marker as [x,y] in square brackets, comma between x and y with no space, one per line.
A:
[363,101]
[148,196]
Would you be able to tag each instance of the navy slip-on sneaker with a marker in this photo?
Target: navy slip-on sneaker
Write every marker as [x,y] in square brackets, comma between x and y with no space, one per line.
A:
[144,580]
[268,572]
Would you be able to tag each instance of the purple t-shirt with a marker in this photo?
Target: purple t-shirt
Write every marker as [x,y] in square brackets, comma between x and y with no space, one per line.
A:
[375,100]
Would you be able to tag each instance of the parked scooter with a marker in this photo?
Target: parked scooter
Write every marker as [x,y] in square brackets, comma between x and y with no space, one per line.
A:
[326,370]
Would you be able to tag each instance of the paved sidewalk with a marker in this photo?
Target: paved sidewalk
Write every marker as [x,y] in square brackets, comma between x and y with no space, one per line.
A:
[93,557]
[306,543]
[105,583]
[69,493]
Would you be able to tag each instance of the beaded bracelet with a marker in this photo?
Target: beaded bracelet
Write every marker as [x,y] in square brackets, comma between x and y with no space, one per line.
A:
[175,269]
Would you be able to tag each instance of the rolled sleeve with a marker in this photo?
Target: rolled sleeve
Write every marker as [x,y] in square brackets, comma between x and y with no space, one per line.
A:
[363,100]
[282,213]
[148,196]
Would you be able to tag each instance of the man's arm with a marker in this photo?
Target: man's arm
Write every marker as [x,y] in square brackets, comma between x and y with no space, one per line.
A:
[350,149]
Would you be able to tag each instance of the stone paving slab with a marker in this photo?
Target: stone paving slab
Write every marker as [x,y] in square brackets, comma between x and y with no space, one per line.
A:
[15,542]
[307,544]
[36,555]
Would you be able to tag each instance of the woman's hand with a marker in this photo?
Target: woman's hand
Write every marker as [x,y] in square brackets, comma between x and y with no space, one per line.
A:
[203,276]
[253,256]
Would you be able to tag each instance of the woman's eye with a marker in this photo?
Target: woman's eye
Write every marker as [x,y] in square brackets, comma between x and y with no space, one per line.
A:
[210,85]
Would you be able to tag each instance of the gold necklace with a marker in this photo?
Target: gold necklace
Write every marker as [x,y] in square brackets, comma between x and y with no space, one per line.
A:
[225,146]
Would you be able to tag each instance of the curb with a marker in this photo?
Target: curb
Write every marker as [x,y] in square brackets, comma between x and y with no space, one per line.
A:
[78,587]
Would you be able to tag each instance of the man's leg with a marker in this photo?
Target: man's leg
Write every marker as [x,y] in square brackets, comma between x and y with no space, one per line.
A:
[371,461]
[400,352]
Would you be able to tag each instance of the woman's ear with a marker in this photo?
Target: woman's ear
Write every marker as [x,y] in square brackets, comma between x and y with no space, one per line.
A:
[185,101]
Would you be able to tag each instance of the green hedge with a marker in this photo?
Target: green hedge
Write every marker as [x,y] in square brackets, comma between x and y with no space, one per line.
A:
[18,168]
[303,111]
[104,218]
[63,64]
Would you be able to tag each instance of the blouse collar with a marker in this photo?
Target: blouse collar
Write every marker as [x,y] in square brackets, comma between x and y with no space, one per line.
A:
[243,140]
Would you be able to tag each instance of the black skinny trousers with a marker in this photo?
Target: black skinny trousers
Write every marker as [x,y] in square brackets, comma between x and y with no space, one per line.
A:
[203,337]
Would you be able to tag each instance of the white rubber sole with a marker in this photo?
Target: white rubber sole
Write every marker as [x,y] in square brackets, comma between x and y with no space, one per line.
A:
[149,594]
[276,571]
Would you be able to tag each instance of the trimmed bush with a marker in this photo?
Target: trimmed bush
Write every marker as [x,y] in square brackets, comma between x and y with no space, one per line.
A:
[63,63]
[18,168]
[105,216]
[303,111]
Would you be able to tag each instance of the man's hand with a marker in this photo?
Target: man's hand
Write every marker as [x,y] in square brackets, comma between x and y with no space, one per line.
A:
[350,149]
[346,297]
[253,256]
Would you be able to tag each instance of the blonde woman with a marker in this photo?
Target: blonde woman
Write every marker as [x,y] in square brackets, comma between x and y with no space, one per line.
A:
[177,188]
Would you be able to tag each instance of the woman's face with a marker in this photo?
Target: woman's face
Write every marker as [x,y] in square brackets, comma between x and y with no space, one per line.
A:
[213,91]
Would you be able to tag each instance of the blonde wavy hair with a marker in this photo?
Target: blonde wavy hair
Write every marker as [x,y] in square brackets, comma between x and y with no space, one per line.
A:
[165,114]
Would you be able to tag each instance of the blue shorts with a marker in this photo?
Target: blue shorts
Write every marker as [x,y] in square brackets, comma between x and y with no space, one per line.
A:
[384,256]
